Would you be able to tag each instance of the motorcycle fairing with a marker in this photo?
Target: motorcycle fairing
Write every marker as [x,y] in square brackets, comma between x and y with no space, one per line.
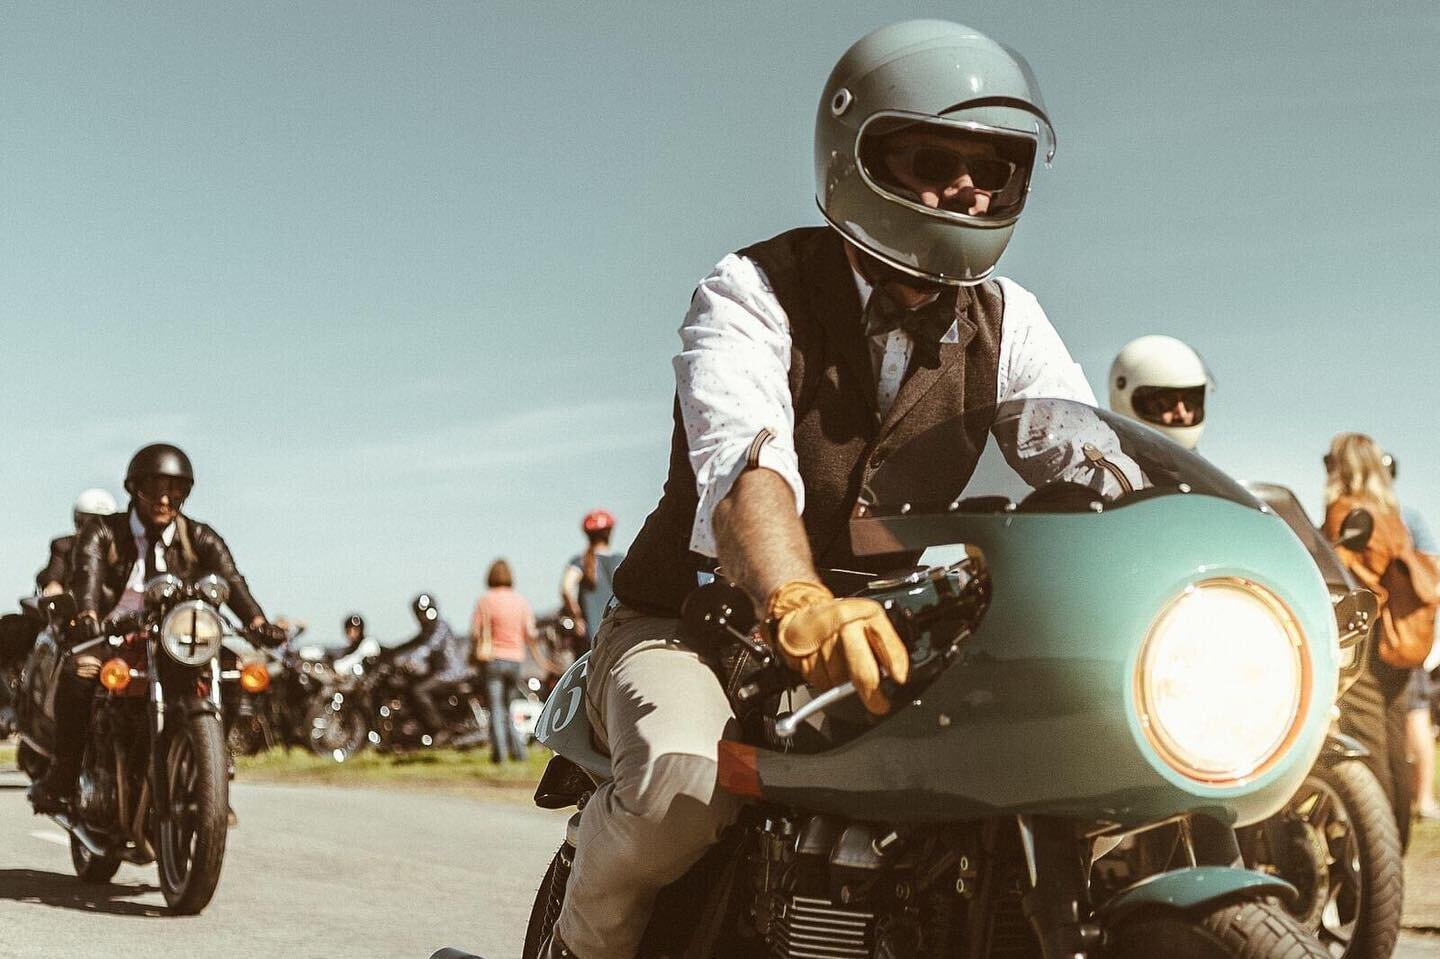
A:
[1037,713]
[564,727]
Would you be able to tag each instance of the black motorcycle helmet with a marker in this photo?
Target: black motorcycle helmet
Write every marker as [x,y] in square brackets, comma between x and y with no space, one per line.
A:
[425,609]
[158,459]
[353,621]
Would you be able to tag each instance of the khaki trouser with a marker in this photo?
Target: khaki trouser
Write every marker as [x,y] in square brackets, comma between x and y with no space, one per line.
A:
[662,712]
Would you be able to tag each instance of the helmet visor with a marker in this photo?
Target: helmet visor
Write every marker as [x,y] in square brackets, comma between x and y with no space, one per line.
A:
[970,170]
[1170,405]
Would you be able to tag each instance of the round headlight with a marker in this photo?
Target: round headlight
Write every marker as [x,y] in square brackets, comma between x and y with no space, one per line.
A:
[1223,681]
[191,633]
[212,589]
[163,588]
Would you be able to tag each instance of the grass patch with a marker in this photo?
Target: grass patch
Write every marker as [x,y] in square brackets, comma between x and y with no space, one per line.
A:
[427,768]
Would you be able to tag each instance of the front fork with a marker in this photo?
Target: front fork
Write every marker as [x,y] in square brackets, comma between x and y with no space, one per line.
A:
[1057,903]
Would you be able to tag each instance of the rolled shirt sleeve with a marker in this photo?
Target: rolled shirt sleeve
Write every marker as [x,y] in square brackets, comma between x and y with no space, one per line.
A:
[732,380]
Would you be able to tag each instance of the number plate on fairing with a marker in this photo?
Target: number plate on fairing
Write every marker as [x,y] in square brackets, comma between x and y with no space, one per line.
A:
[563,725]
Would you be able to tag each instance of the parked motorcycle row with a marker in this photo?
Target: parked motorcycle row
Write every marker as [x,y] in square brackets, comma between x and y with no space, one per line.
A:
[306,697]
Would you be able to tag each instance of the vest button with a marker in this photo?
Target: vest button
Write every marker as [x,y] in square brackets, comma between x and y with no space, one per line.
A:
[877,458]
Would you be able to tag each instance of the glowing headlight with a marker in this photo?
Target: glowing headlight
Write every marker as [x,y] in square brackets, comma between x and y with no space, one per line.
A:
[191,633]
[1223,680]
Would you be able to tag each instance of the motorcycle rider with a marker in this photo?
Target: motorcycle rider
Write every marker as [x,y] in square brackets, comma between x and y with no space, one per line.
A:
[439,656]
[114,557]
[56,573]
[358,646]
[587,586]
[1162,382]
[805,360]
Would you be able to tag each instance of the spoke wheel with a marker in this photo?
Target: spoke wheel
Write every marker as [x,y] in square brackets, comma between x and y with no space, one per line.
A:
[191,811]
[335,730]
[1336,841]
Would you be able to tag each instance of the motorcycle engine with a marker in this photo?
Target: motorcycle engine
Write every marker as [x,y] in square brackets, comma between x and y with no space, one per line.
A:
[829,887]
[96,792]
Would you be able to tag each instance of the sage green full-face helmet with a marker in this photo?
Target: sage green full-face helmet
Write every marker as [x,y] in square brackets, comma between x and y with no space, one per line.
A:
[925,140]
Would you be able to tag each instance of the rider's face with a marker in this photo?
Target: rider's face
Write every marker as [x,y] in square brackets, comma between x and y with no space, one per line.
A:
[160,497]
[1171,406]
[1180,414]
[944,170]
[353,635]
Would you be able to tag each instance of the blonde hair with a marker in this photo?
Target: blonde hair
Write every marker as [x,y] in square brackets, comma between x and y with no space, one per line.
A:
[1356,468]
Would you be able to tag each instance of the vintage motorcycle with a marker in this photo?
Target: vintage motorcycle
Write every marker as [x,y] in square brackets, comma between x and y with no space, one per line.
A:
[153,784]
[267,692]
[1118,655]
[372,708]
[1336,840]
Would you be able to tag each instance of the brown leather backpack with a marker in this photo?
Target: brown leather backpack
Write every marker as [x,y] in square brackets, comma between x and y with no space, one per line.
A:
[1412,582]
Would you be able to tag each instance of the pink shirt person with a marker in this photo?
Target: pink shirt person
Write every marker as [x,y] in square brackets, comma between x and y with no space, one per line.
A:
[511,621]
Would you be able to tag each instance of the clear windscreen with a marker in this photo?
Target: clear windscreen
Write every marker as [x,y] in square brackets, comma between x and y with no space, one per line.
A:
[1039,456]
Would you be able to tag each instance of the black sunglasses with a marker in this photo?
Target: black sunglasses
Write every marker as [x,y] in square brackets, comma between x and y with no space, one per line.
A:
[932,164]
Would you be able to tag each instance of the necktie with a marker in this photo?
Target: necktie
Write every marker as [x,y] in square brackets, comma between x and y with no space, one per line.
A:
[925,324]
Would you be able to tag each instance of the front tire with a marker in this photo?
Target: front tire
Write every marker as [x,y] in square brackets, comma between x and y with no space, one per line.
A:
[548,900]
[1343,855]
[335,731]
[90,867]
[191,811]
[1244,930]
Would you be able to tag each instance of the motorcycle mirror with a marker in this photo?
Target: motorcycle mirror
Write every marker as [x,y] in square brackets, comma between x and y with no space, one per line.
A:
[59,608]
[1356,529]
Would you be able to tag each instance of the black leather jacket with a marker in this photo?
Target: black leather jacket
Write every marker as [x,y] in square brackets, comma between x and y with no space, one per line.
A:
[58,569]
[105,554]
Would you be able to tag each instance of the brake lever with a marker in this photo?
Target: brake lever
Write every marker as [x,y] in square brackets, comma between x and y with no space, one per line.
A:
[790,725]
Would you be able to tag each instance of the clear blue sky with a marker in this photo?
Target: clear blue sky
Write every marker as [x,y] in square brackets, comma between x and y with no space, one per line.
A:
[404,278]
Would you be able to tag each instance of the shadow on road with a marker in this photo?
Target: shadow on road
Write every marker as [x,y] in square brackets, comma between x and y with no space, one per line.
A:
[67,892]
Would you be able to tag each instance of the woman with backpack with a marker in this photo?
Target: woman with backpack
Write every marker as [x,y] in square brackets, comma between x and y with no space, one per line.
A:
[1405,581]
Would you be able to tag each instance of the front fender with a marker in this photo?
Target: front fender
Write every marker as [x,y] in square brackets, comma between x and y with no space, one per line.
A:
[196,706]
[1183,889]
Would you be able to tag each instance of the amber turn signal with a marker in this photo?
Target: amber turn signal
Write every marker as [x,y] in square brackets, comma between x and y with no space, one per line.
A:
[115,675]
[254,678]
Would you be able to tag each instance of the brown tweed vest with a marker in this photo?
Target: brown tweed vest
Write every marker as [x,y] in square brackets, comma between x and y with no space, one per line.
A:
[840,438]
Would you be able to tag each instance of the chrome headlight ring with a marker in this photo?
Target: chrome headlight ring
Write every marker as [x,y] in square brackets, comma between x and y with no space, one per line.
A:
[1224,681]
[191,633]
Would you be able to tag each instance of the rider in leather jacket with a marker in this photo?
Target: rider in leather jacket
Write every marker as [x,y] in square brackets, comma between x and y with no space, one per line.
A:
[113,558]
[437,654]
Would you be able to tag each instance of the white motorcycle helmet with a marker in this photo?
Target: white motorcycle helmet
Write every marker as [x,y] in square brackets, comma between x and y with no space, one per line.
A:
[1162,382]
[93,502]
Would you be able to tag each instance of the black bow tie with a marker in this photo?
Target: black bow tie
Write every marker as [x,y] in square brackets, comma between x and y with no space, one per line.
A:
[926,324]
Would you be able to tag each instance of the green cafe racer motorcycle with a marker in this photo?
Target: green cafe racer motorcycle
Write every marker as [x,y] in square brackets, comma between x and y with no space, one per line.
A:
[1118,656]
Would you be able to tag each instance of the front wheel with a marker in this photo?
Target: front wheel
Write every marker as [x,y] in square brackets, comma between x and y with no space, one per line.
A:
[1336,841]
[1244,930]
[548,900]
[90,867]
[192,810]
[335,727]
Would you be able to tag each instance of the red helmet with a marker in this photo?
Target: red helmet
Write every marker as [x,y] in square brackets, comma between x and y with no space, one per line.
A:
[596,520]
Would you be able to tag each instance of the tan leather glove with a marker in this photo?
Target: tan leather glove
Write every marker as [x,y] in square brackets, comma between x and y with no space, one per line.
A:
[828,640]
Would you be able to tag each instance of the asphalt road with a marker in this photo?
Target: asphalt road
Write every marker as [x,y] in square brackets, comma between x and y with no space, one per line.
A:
[310,872]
